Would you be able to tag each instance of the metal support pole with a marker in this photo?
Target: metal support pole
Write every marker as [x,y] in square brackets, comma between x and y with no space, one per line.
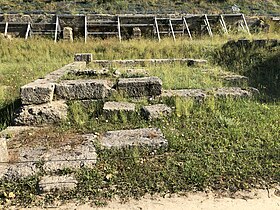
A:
[172,31]
[245,22]
[86,32]
[187,27]
[223,23]
[6,29]
[56,29]
[27,30]
[119,29]
[157,30]
[208,25]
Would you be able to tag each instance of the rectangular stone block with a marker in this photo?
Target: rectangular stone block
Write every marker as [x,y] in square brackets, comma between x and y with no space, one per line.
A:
[152,137]
[156,111]
[137,87]
[50,183]
[83,89]
[37,92]
[113,108]
[49,113]
[87,57]
[4,156]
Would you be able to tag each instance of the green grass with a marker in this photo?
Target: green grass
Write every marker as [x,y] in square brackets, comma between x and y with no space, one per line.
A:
[144,6]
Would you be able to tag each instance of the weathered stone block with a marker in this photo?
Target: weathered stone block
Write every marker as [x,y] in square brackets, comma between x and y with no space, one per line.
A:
[68,34]
[71,157]
[113,107]
[4,156]
[156,111]
[139,137]
[234,92]
[83,89]
[197,94]
[50,183]
[137,87]
[49,113]
[83,57]
[37,92]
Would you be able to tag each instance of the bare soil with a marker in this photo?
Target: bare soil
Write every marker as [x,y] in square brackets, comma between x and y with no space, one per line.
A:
[253,200]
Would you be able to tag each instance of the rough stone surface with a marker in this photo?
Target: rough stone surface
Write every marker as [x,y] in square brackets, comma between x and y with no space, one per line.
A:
[197,94]
[91,72]
[37,92]
[113,107]
[83,57]
[50,183]
[49,113]
[55,75]
[200,94]
[137,87]
[12,131]
[4,156]
[24,160]
[83,155]
[156,111]
[139,137]
[68,34]
[83,89]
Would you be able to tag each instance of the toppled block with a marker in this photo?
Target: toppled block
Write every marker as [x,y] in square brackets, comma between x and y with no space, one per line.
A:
[4,156]
[50,183]
[200,94]
[156,111]
[138,87]
[83,89]
[235,92]
[87,57]
[139,137]
[37,92]
[197,94]
[49,113]
[112,107]
[70,157]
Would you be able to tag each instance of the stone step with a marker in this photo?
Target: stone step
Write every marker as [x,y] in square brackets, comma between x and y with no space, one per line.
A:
[139,87]
[74,152]
[200,94]
[48,113]
[51,183]
[112,108]
[151,137]
[83,89]
[156,111]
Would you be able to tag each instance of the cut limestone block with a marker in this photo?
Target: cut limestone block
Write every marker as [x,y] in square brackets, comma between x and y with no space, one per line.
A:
[156,111]
[70,157]
[137,87]
[50,183]
[112,108]
[139,137]
[48,113]
[200,94]
[83,89]
[4,156]
[87,57]
[235,92]
[197,94]
[38,92]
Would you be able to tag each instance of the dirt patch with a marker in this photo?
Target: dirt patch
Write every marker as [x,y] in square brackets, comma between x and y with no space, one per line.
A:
[253,200]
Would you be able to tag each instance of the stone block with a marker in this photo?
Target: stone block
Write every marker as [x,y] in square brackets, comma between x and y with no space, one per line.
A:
[138,87]
[49,113]
[37,92]
[83,89]
[156,111]
[68,34]
[87,57]
[197,94]
[51,183]
[234,92]
[112,108]
[4,156]
[70,157]
[151,137]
